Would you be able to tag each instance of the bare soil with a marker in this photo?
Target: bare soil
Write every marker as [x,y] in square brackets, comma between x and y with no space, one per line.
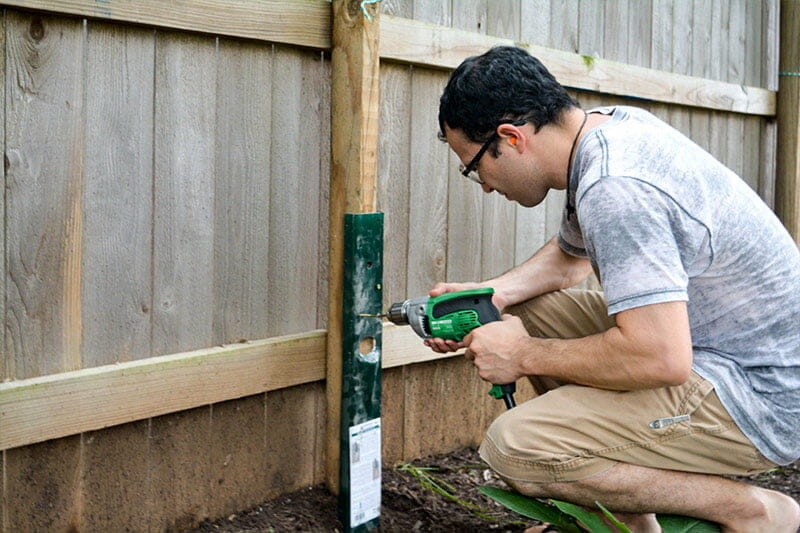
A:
[407,506]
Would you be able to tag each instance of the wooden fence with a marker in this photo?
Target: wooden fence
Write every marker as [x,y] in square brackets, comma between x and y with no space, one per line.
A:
[166,236]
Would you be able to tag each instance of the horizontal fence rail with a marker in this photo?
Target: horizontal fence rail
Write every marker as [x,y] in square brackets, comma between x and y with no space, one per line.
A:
[308,23]
[58,405]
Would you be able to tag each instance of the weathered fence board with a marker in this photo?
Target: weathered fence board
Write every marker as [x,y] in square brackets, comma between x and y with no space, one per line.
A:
[427,236]
[393,177]
[117,205]
[5,360]
[295,151]
[203,220]
[186,73]
[242,192]
[44,106]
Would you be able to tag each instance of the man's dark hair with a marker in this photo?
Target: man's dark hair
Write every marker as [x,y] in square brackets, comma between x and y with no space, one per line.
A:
[504,84]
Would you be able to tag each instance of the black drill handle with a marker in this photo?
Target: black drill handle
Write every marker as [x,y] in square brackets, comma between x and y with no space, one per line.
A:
[506,392]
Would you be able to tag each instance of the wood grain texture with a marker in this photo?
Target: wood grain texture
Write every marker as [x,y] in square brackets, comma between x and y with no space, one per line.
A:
[186,74]
[445,48]
[44,213]
[294,422]
[42,485]
[499,215]
[303,23]
[64,404]
[394,160]
[427,236]
[238,450]
[788,165]
[48,407]
[770,45]
[180,477]
[115,479]
[242,192]
[117,195]
[354,168]
[295,151]
[466,200]
[5,353]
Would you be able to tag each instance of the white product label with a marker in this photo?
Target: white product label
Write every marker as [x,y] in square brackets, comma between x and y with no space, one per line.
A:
[365,472]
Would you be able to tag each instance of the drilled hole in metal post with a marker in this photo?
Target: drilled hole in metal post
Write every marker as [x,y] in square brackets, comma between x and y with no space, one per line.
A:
[366,345]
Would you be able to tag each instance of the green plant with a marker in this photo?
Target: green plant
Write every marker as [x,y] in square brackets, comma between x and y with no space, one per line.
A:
[570,518]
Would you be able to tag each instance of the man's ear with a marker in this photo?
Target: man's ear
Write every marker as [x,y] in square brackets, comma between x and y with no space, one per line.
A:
[513,135]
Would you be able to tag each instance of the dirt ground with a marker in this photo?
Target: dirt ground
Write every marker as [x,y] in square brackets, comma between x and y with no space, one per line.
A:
[407,506]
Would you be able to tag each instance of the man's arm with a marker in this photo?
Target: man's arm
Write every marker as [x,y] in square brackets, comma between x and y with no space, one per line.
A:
[650,347]
[549,269]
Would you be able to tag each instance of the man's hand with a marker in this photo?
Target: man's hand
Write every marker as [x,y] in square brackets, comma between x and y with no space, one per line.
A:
[493,348]
[446,346]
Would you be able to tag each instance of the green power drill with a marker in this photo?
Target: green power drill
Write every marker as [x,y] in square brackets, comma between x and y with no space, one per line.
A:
[451,316]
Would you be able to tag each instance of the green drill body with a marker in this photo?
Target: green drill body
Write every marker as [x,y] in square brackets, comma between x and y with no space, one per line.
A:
[451,316]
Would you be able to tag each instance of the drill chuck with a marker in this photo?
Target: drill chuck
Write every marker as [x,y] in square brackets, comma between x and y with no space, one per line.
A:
[398,314]
[412,313]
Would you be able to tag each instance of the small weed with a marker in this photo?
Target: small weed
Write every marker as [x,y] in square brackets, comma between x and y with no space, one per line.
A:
[441,487]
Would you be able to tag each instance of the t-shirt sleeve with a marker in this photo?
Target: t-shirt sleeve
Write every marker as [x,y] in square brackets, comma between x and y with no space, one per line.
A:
[629,229]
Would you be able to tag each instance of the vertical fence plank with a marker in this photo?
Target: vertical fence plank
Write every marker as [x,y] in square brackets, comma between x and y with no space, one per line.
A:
[117,259]
[737,146]
[323,85]
[591,14]
[394,163]
[238,452]
[41,486]
[5,358]
[681,57]
[293,421]
[179,461]
[185,121]
[43,193]
[466,200]
[769,79]
[184,192]
[640,27]
[294,194]
[787,196]
[719,47]
[242,192]
[114,479]
[700,122]
[43,216]
[531,223]
[427,236]
[117,196]
[499,215]
[616,30]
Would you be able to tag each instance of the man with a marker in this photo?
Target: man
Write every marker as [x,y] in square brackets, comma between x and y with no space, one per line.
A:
[687,366]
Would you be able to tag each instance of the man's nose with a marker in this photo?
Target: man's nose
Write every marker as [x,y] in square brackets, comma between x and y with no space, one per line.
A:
[486,188]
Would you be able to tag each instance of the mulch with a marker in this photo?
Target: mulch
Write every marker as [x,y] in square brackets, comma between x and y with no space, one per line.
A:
[408,506]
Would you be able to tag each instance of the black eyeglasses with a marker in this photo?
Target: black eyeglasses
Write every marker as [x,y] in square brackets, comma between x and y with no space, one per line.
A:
[468,170]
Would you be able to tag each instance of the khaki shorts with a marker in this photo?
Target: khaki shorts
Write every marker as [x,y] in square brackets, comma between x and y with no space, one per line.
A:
[571,432]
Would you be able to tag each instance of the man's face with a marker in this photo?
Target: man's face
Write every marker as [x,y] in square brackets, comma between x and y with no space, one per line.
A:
[514,173]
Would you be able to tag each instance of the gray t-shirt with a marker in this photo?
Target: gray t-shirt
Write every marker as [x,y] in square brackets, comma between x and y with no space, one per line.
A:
[661,220]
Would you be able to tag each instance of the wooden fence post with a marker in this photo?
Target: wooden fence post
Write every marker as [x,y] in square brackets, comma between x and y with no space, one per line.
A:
[354,170]
[787,199]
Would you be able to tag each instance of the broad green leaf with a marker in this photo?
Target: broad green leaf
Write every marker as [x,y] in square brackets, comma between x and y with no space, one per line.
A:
[532,508]
[622,527]
[685,524]
[589,520]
